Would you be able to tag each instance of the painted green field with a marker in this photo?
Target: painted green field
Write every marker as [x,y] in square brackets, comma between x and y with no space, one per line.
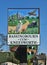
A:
[33,30]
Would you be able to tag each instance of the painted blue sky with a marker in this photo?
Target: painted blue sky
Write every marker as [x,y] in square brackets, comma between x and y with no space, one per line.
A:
[23,12]
[42,4]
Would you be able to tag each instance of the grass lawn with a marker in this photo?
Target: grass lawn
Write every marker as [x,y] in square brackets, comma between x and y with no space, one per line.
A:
[33,30]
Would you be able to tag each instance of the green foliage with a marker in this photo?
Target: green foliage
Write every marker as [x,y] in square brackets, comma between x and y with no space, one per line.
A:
[8,57]
[27,17]
[11,46]
[3,57]
[13,23]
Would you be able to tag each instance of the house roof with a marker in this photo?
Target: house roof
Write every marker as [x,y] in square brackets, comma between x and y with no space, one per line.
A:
[41,56]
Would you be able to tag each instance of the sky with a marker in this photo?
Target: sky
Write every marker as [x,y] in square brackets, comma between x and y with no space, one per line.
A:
[42,4]
[23,12]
